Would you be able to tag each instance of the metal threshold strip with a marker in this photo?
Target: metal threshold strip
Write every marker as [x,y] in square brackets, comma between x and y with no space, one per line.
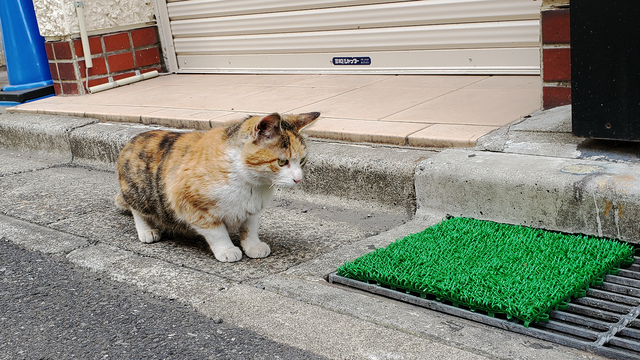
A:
[603,322]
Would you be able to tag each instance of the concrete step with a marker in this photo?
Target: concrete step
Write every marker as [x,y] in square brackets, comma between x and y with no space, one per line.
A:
[369,176]
[598,198]
[567,194]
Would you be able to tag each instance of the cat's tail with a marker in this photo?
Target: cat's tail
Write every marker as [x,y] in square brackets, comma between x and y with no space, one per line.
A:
[122,205]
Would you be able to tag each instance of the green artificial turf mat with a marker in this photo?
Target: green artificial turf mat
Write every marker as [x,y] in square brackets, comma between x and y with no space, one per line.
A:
[498,268]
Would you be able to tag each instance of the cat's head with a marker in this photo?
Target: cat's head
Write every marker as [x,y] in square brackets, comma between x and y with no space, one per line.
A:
[274,151]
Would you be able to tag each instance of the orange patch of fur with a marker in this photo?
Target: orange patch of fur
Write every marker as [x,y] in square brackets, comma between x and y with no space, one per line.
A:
[199,163]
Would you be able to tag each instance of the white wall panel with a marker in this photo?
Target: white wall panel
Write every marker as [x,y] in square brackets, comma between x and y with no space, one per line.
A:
[475,35]
[216,8]
[397,36]
[414,13]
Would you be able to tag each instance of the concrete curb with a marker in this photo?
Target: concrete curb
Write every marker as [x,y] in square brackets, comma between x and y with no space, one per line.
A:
[39,133]
[39,238]
[571,195]
[535,190]
[383,176]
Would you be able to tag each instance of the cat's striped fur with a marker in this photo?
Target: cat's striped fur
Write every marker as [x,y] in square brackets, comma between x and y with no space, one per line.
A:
[211,182]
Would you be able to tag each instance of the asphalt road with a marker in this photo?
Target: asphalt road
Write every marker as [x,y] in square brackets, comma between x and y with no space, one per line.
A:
[51,309]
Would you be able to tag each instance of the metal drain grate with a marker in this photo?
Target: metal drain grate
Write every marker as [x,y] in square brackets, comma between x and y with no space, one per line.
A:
[603,322]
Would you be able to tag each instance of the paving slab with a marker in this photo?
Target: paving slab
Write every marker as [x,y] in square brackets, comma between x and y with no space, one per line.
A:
[29,161]
[54,194]
[548,133]
[295,231]
[556,120]
[38,238]
[78,200]
[383,109]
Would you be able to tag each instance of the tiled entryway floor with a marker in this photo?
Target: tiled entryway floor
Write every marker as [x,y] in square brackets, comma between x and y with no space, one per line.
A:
[424,111]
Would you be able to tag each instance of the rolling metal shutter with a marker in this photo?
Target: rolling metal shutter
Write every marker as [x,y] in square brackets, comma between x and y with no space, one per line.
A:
[356,36]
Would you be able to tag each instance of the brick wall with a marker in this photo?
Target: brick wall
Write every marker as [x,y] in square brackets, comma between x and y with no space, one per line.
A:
[556,57]
[115,56]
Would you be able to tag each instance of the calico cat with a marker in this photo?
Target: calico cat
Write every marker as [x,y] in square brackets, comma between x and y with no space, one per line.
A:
[211,182]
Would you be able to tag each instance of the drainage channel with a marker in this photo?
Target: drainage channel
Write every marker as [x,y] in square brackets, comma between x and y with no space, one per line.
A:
[603,322]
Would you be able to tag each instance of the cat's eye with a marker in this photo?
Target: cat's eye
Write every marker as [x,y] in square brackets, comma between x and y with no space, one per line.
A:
[303,161]
[283,162]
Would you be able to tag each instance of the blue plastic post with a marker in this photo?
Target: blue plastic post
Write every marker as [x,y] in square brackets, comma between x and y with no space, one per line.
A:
[27,64]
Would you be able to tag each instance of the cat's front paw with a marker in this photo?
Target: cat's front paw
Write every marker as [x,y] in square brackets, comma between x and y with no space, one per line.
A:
[258,250]
[228,255]
[149,236]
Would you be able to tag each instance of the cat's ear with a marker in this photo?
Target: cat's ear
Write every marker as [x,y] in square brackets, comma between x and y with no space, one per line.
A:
[305,119]
[267,128]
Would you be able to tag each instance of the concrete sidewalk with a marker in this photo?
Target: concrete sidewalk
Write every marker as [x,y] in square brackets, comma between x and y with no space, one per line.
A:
[531,172]
[421,111]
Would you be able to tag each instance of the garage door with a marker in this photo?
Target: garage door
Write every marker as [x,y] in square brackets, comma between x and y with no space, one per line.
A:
[351,36]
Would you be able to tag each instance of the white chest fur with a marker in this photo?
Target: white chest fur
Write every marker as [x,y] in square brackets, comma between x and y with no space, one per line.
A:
[241,196]
[237,201]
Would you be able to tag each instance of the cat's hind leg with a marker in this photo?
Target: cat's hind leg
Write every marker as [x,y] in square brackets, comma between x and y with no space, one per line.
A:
[122,205]
[146,233]
[220,243]
[251,244]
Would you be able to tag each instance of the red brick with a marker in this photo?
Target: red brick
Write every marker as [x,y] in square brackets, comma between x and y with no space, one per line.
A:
[98,81]
[95,46]
[77,45]
[67,71]
[556,26]
[147,57]
[556,64]
[70,88]
[99,67]
[48,47]
[144,37]
[62,50]
[120,62]
[123,76]
[555,96]
[54,71]
[116,42]
[57,88]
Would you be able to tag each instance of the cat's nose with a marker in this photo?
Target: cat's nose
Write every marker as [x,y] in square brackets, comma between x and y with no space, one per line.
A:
[297,180]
